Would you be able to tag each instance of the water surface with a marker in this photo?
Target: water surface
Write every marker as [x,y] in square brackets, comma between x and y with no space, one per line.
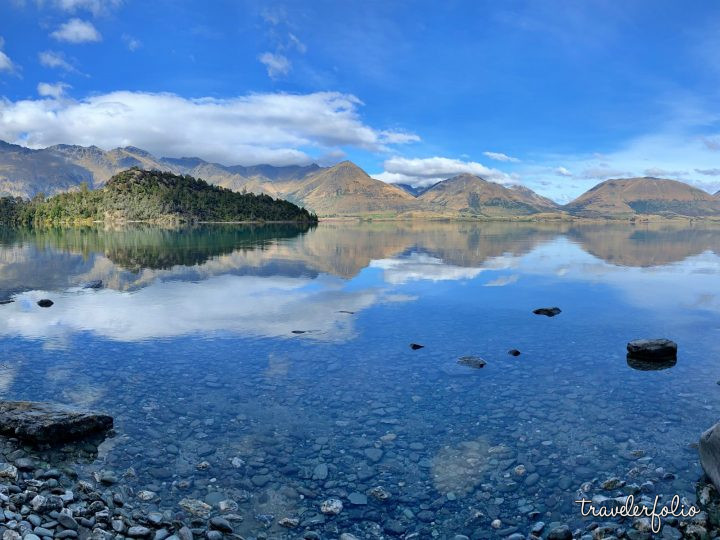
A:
[270,367]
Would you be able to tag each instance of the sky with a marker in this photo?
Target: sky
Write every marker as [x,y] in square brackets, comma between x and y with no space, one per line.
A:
[556,96]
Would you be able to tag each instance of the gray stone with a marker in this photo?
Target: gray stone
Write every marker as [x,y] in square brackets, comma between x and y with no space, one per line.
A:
[138,531]
[40,422]
[652,349]
[709,449]
[358,499]
[320,472]
[560,533]
[374,454]
[221,524]
[472,361]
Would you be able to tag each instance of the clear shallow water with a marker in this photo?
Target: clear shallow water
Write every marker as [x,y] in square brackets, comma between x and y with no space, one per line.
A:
[190,346]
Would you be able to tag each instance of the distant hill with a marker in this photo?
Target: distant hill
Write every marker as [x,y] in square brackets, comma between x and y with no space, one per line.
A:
[469,194]
[631,196]
[346,189]
[25,172]
[152,196]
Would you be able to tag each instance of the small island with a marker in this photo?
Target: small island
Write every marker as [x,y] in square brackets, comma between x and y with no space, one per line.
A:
[157,197]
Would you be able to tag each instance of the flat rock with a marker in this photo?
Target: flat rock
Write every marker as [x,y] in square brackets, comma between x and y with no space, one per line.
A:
[472,361]
[652,349]
[709,450]
[547,311]
[40,422]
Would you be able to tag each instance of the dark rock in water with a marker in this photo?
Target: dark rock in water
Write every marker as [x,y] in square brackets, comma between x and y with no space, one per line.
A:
[650,365]
[547,311]
[709,450]
[416,346]
[472,361]
[94,284]
[3,302]
[45,302]
[40,422]
[652,349]
[514,352]
[560,533]
[299,331]
[347,312]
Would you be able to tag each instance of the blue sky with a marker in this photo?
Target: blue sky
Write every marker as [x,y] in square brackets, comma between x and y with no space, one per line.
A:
[554,95]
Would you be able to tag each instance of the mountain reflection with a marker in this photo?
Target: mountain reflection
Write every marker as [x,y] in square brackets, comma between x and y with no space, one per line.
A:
[133,257]
[299,283]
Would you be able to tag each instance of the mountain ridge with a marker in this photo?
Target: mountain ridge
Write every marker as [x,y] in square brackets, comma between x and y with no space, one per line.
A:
[346,190]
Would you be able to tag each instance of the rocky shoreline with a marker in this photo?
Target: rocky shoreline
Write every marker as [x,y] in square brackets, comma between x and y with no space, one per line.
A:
[41,502]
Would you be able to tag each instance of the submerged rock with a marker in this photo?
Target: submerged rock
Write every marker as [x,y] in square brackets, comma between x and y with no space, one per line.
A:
[40,422]
[45,302]
[652,349]
[416,346]
[472,361]
[709,450]
[94,284]
[331,507]
[514,352]
[548,312]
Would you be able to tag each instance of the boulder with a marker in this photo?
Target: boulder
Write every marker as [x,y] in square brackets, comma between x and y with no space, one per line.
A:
[39,422]
[45,302]
[709,450]
[416,346]
[514,352]
[652,349]
[547,311]
[472,361]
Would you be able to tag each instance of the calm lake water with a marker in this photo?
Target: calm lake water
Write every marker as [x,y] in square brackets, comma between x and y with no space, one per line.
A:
[270,367]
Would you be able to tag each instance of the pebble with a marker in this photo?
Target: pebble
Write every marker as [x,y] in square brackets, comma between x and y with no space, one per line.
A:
[331,507]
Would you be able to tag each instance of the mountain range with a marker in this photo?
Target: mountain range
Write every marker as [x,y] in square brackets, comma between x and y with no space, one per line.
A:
[345,189]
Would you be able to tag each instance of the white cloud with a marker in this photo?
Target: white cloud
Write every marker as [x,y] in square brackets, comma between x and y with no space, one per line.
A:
[132,43]
[421,267]
[76,31]
[277,65]
[708,172]
[5,63]
[562,171]
[246,305]
[427,171]
[502,281]
[499,156]
[54,59]
[657,172]
[296,43]
[258,128]
[96,7]
[52,90]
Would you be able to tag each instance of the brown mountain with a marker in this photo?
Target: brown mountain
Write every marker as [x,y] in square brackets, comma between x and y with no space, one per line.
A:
[25,172]
[631,196]
[469,194]
[346,189]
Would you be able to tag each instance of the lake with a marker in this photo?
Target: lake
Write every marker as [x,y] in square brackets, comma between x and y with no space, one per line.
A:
[264,370]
